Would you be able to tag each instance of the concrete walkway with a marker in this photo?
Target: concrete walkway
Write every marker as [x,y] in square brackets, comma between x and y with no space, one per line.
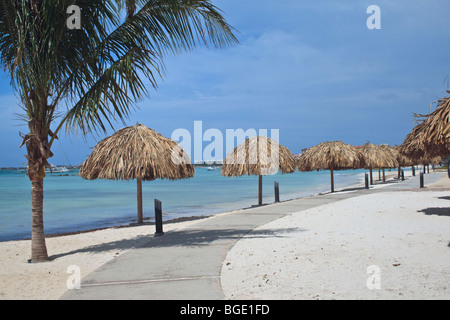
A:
[186,263]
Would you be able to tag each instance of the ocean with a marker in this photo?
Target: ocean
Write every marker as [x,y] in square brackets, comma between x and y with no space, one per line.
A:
[73,204]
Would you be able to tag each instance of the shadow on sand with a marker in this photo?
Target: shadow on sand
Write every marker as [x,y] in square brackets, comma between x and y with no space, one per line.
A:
[436,211]
[184,237]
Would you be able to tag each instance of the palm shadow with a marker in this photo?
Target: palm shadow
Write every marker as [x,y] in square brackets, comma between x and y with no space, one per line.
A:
[436,211]
[184,237]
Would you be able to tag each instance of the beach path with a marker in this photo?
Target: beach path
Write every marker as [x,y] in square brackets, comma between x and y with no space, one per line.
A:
[186,263]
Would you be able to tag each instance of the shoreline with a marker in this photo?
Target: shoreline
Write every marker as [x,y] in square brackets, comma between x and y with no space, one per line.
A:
[150,220]
[87,250]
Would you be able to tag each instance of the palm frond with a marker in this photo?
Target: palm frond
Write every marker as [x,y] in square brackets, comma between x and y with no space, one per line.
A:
[99,71]
[134,49]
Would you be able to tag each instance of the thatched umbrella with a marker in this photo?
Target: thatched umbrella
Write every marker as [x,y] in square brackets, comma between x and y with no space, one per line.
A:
[331,155]
[137,152]
[394,155]
[403,160]
[431,136]
[258,156]
[413,146]
[436,130]
[378,157]
[427,160]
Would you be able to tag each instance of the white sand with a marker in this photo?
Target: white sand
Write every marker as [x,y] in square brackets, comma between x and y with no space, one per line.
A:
[329,251]
[325,252]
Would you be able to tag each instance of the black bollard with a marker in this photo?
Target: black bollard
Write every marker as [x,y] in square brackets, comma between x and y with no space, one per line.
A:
[413,171]
[277,191]
[421,179]
[158,218]
[403,175]
[366,179]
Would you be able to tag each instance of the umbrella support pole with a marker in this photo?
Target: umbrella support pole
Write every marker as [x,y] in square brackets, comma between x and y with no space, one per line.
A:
[332,179]
[140,218]
[371,177]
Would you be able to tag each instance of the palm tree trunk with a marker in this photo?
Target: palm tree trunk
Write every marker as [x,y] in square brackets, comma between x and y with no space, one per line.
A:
[140,218]
[38,152]
[38,247]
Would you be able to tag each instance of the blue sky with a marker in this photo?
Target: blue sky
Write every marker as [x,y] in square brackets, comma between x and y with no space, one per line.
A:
[310,68]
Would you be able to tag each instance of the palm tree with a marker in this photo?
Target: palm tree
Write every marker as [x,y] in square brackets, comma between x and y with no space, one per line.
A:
[83,79]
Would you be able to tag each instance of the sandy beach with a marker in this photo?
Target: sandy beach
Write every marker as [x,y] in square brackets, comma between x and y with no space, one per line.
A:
[326,256]
[89,250]
[380,246]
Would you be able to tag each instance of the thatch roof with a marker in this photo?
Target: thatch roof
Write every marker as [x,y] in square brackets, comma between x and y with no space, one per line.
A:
[430,160]
[402,159]
[413,146]
[137,152]
[436,131]
[334,155]
[258,156]
[379,157]
[431,137]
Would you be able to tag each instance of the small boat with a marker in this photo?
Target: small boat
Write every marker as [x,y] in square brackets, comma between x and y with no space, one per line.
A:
[57,169]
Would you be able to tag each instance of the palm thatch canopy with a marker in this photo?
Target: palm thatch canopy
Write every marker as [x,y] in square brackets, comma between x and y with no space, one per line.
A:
[413,146]
[379,157]
[431,137]
[335,155]
[258,156]
[402,159]
[331,155]
[436,131]
[137,152]
[427,160]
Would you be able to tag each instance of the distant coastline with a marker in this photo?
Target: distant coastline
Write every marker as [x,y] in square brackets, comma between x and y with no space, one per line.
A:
[75,167]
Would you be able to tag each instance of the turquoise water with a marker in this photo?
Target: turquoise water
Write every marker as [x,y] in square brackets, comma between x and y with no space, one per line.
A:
[74,204]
